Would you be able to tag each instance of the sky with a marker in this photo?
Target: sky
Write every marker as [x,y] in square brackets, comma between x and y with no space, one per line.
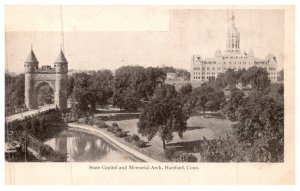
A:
[108,37]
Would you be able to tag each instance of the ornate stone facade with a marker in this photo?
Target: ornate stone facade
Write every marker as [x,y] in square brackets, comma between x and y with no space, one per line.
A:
[36,77]
[204,69]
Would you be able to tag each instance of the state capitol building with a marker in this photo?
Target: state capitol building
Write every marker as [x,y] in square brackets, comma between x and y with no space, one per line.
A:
[205,69]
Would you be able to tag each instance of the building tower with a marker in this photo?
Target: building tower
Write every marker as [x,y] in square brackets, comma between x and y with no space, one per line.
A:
[233,38]
[61,70]
[31,64]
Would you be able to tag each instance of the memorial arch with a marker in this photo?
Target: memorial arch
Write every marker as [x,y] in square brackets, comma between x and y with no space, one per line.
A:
[55,77]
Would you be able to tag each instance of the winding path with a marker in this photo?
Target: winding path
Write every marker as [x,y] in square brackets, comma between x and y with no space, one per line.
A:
[96,131]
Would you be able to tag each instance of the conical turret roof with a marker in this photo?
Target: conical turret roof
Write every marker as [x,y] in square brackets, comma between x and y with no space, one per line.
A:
[31,58]
[61,58]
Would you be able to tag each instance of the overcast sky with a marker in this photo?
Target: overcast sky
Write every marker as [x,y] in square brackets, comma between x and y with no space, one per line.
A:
[96,37]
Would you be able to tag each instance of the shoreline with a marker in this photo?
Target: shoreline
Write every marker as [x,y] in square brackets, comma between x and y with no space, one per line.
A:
[97,132]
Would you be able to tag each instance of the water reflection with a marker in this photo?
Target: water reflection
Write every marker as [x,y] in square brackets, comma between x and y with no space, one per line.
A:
[83,147]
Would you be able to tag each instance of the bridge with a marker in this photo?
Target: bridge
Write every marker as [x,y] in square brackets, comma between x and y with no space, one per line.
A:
[20,140]
[27,142]
[23,115]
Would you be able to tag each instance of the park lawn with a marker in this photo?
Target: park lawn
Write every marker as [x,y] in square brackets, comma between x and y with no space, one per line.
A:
[198,127]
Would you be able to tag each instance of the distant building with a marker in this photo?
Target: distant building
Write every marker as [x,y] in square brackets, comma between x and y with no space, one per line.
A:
[205,69]
[171,76]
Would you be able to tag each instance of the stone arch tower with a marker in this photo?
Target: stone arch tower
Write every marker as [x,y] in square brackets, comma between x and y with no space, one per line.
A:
[36,77]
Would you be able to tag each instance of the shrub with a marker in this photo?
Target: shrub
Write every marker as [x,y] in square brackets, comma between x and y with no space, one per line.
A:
[114,124]
[169,153]
[83,120]
[128,138]
[110,129]
[185,157]
[116,129]
[135,138]
[121,134]
[101,124]
[91,122]
[141,144]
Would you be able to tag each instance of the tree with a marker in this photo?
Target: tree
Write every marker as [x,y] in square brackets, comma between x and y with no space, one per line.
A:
[14,90]
[260,123]
[137,80]
[70,85]
[186,90]
[234,102]
[83,96]
[101,86]
[257,77]
[207,98]
[90,89]
[164,115]
[280,75]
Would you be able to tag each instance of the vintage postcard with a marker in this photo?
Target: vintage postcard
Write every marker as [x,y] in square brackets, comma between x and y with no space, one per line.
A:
[149,94]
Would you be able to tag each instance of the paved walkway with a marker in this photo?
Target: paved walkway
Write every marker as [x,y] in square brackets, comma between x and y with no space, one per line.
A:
[28,113]
[96,131]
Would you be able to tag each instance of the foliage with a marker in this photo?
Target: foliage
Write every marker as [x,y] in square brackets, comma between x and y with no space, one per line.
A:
[113,129]
[100,124]
[141,144]
[135,137]
[128,138]
[185,157]
[120,134]
[280,75]
[185,90]
[91,121]
[109,129]
[70,85]
[14,90]
[164,115]
[132,83]
[181,73]
[234,102]
[257,77]
[232,150]
[84,120]
[169,152]
[89,90]
[260,122]
[207,98]
[114,124]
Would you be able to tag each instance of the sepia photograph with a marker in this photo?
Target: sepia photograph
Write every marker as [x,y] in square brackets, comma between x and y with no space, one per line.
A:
[128,86]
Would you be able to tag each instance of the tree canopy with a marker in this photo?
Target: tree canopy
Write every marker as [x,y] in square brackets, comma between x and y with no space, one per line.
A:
[14,90]
[164,115]
[207,98]
[133,83]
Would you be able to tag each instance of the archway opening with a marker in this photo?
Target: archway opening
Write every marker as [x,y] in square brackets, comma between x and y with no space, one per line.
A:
[45,95]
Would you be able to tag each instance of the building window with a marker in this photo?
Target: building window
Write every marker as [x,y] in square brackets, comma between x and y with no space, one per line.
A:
[213,68]
[208,68]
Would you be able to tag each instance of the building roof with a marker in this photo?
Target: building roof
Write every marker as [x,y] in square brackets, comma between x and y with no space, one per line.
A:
[61,58]
[31,58]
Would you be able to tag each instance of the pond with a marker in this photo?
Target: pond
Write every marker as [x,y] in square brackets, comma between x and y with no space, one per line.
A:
[84,147]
